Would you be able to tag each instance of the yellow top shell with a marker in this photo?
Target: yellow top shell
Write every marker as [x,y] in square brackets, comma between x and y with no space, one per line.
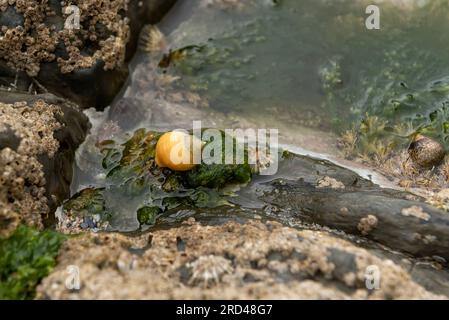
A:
[175,150]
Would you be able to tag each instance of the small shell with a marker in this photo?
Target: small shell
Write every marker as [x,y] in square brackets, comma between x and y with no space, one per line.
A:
[175,150]
[426,152]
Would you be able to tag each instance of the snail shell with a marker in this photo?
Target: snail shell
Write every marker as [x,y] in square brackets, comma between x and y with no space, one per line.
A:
[426,152]
[175,150]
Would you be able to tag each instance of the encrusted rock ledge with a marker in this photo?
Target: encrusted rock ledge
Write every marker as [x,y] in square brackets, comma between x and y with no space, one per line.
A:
[251,260]
[38,139]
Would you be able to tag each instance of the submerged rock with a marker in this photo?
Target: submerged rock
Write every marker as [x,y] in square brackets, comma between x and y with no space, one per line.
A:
[40,134]
[126,113]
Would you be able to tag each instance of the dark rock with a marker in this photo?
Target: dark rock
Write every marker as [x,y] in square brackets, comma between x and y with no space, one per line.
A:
[360,208]
[344,262]
[8,139]
[91,86]
[11,18]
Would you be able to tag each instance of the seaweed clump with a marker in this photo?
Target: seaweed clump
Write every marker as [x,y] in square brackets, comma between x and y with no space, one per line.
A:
[26,257]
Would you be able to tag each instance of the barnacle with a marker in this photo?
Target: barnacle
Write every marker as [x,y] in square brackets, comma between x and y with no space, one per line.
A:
[35,40]
[207,270]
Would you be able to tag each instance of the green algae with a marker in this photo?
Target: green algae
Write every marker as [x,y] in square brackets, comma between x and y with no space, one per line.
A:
[88,201]
[26,257]
[148,215]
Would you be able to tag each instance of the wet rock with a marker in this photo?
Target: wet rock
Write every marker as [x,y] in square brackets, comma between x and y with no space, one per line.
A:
[86,65]
[386,216]
[9,139]
[39,135]
[127,113]
[11,18]
[226,261]
[124,193]
[345,264]
[431,276]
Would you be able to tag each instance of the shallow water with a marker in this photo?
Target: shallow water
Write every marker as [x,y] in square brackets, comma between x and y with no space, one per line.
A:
[308,68]
[314,62]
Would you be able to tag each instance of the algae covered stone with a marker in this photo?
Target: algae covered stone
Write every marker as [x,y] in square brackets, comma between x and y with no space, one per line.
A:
[136,191]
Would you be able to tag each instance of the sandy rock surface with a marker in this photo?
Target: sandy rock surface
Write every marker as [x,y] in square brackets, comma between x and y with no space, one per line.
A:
[253,260]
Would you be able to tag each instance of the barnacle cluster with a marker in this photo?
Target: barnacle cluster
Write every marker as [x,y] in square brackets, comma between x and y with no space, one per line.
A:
[36,32]
[22,181]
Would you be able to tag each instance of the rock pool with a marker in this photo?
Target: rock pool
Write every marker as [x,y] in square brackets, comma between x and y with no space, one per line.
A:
[362,130]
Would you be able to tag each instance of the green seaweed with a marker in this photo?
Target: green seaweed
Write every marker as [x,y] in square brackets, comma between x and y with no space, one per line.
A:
[26,257]
[394,104]
[88,201]
[216,175]
[148,215]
